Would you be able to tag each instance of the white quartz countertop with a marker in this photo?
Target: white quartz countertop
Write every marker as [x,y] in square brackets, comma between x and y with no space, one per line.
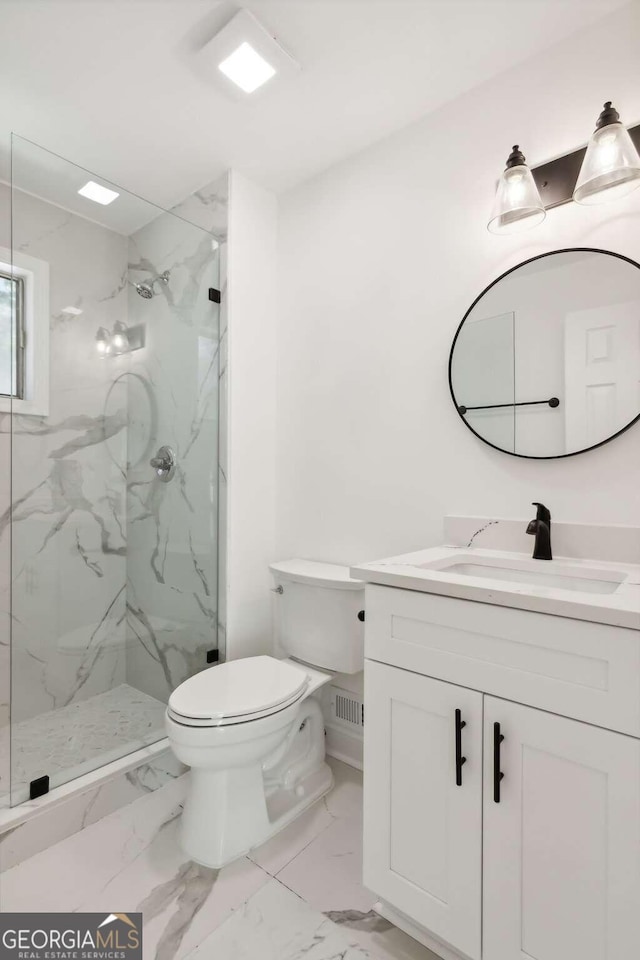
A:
[426,571]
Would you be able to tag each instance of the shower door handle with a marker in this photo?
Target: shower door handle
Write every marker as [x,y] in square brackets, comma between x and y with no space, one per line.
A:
[164,464]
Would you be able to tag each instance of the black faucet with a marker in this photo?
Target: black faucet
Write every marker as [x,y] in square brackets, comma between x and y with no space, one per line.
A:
[541,527]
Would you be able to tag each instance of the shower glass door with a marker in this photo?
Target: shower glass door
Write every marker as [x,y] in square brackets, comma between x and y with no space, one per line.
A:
[7,312]
[114,442]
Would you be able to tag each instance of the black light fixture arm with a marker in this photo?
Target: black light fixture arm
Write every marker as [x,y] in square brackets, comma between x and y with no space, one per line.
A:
[556,179]
[551,402]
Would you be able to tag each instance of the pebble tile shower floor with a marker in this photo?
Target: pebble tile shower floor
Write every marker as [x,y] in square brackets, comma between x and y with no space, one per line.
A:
[299,895]
[69,741]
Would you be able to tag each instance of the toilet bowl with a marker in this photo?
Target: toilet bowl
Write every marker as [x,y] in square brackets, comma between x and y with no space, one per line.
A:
[252,730]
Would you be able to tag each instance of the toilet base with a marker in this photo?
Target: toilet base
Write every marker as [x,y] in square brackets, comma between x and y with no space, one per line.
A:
[279,809]
[285,805]
[229,810]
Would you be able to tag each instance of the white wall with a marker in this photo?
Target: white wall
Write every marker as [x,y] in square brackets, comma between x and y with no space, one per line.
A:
[379,258]
[252,269]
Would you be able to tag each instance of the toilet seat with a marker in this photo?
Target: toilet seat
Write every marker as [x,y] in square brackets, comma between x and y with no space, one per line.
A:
[237,692]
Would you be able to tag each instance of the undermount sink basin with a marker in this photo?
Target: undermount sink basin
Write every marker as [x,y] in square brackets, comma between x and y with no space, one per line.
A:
[559,575]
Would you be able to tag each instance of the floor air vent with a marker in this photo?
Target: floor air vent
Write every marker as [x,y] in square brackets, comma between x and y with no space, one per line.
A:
[346,709]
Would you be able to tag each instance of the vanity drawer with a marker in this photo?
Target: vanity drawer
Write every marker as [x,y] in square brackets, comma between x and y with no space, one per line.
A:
[589,671]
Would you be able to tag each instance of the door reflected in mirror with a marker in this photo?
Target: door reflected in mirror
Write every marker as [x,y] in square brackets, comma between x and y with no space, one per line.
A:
[546,362]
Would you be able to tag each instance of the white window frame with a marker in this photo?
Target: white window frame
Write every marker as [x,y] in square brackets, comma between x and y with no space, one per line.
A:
[34,274]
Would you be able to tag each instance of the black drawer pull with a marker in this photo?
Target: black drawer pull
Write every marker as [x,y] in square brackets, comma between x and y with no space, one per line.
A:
[460,723]
[497,773]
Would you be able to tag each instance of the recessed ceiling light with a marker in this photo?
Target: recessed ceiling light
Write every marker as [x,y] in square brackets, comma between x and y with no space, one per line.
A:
[98,193]
[247,68]
[243,56]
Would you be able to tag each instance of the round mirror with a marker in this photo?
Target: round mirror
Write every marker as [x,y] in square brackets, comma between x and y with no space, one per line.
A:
[546,361]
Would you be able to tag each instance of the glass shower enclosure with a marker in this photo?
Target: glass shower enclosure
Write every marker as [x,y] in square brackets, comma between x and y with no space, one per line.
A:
[109,422]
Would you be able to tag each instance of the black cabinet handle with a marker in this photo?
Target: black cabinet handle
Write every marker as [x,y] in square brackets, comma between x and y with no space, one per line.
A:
[497,774]
[460,723]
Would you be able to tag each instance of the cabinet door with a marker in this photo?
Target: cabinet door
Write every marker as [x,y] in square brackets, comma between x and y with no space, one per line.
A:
[562,845]
[422,831]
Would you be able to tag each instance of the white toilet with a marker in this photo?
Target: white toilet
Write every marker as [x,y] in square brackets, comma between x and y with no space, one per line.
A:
[252,730]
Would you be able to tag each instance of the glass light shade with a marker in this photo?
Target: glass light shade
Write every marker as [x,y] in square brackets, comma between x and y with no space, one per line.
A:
[517,205]
[611,167]
[120,338]
[103,342]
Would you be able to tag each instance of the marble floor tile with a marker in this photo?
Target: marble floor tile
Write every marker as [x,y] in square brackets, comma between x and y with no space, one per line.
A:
[378,937]
[69,815]
[328,872]
[183,902]
[276,853]
[275,924]
[133,857]
[172,906]
[345,799]
[315,908]
[77,868]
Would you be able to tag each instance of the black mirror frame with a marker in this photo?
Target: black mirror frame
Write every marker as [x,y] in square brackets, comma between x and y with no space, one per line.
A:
[540,256]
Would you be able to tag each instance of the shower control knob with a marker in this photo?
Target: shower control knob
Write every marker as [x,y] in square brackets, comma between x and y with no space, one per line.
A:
[164,464]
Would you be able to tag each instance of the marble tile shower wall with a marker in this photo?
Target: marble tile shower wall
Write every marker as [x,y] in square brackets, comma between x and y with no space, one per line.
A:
[68,537]
[172,528]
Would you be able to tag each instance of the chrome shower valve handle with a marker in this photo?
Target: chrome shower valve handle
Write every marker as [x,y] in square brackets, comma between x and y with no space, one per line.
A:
[164,464]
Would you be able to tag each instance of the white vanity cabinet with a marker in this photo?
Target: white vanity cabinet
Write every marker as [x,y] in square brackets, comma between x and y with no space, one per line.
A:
[542,862]
[422,832]
[561,850]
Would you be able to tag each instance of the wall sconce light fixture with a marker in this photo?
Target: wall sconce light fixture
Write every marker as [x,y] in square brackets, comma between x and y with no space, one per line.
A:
[103,342]
[608,168]
[122,339]
[611,166]
[517,205]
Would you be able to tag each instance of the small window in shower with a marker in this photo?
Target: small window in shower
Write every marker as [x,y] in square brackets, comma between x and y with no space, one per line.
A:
[11,336]
[24,334]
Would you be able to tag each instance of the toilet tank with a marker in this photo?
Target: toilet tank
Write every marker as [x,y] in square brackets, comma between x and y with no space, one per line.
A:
[316,614]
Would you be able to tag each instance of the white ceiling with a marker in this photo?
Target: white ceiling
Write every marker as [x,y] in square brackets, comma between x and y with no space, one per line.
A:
[112,85]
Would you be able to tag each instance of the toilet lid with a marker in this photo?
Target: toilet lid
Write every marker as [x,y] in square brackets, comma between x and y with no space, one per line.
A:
[239,688]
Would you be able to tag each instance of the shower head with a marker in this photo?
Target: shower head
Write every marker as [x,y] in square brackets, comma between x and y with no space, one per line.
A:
[145,289]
